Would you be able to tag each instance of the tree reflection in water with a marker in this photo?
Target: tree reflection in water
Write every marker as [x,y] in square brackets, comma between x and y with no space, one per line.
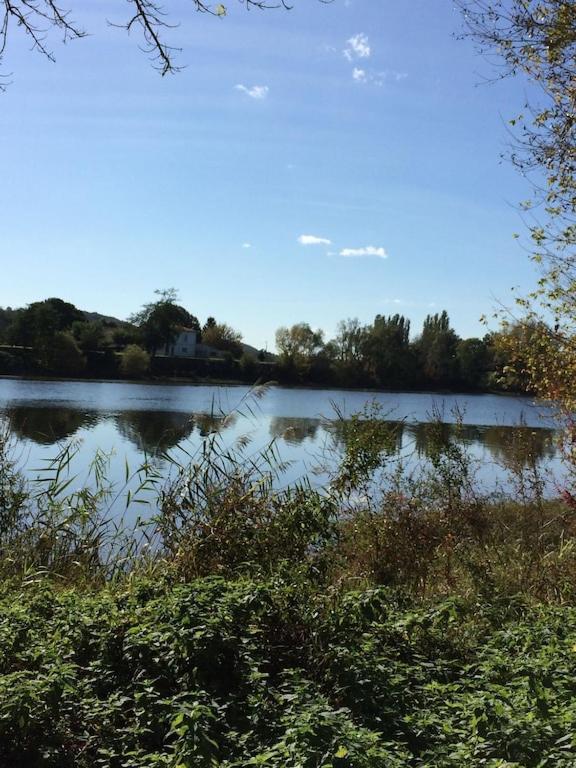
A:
[150,432]
[293,430]
[511,446]
[392,436]
[155,432]
[48,425]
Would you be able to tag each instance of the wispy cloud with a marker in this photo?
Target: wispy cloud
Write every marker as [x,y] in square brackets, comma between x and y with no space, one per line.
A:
[313,240]
[357,47]
[246,245]
[377,78]
[388,75]
[368,250]
[255,91]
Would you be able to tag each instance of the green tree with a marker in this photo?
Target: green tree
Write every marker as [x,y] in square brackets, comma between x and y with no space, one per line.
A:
[350,341]
[135,362]
[223,337]
[6,320]
[473,360]
[160,321]
[126,334]
[63,355]
[520,352]
[537,39]
[387,351]
[90,336]
[298,346]
[36,324]
[436,349]
[210,323]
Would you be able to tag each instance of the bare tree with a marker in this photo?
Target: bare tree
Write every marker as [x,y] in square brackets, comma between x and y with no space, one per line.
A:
[39,19]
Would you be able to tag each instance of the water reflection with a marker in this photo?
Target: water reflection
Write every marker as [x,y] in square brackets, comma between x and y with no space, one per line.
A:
[292,430]
[154,432]
[150,432]
[520,446]
[208,423]
[48,425]
[390,436]
[510,446]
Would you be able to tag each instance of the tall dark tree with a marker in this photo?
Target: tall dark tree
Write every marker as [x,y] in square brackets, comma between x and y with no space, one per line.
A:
[387,350]
[436,350]
[473,360]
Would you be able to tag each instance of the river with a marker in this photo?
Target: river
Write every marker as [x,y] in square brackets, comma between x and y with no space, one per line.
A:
[131,421]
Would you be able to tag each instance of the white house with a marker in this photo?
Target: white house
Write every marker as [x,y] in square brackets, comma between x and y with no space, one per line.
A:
[184,345]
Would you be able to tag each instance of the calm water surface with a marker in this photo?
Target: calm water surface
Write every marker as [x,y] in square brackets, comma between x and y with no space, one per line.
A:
[133,421]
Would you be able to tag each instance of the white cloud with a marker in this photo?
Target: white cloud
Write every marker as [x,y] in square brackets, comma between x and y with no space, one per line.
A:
[255,91]
[246,245]
[313,240]
[368,250]
[357,47]
[359,75]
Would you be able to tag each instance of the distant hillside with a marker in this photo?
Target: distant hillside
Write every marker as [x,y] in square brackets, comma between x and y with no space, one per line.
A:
[250,350]
[94,317]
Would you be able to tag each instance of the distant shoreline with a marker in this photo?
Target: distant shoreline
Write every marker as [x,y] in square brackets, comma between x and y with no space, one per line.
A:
[176,381]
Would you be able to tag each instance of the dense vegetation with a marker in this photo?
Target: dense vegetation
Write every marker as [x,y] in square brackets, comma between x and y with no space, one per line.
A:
[385,620]
[54,337]
[221,673]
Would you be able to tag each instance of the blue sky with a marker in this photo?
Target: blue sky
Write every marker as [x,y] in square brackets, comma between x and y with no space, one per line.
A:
[364,123]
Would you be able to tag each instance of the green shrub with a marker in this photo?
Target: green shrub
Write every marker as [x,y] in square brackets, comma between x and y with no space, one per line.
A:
[135,362]
[63,355]
[226,674]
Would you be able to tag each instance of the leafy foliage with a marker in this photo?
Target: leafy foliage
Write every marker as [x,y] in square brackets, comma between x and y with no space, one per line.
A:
[219,673]
[135,361]
[222,336]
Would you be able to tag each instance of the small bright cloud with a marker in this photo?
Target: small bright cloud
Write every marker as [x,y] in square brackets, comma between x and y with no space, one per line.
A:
[369,250]
[255,91]
[246,245]
[359,75]
[357,47]
[313,240]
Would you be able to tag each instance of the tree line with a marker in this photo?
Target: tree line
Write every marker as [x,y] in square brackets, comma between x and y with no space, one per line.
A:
[383,354]
[60,338]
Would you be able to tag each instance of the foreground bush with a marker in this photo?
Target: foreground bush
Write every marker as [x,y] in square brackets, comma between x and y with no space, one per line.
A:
[274,673]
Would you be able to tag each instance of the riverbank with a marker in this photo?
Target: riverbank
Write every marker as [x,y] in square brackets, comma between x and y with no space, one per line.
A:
[107,366]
